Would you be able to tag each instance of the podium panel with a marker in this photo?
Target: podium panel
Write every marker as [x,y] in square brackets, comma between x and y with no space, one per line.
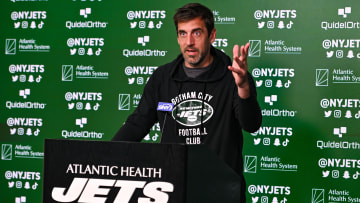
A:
[104,172]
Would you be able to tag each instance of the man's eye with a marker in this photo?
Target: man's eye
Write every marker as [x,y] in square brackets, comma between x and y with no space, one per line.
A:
[182,34]
[197,33]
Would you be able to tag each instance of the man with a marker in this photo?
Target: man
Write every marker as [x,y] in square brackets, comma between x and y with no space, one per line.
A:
[213,98]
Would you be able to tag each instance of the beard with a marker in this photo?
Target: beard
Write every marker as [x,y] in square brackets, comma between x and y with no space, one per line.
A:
[195,60]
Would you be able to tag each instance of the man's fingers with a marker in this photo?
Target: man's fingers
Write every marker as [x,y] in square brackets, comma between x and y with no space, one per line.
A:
[244,51]
[236,51]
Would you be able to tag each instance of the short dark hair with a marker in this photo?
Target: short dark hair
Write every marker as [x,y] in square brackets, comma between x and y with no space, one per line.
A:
[194,10]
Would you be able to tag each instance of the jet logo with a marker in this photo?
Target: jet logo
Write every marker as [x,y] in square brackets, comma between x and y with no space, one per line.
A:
[86,190]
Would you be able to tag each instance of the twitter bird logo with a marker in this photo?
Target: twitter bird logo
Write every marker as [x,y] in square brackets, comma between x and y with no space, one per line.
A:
[133,25]
[261,25]
[329,54]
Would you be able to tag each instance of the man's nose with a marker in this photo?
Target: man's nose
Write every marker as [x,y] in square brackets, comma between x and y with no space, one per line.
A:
[190,40]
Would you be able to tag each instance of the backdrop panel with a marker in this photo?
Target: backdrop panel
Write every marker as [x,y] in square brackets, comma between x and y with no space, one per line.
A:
[75,69]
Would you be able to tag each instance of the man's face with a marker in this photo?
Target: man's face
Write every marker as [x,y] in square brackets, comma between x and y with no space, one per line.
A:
[195,42]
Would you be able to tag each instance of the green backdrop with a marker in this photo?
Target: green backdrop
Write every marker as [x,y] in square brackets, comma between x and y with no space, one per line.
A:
[75,69]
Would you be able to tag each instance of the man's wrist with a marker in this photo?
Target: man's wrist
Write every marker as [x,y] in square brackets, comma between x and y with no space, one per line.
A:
[244,91]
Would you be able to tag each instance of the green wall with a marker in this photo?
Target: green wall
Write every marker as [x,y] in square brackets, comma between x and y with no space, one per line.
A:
[75,69]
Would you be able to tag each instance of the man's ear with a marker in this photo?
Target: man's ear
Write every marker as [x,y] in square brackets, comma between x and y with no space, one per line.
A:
[212,36]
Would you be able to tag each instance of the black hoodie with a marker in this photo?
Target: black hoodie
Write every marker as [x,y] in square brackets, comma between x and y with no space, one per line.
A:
[213,94]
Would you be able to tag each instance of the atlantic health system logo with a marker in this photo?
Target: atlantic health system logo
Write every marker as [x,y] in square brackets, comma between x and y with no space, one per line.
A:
[279,47]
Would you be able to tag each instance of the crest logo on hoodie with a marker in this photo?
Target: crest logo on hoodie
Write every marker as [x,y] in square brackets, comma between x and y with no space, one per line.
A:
[192,112]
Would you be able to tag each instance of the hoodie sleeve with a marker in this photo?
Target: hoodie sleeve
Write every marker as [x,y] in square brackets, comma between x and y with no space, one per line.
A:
[248,111]
[139,123]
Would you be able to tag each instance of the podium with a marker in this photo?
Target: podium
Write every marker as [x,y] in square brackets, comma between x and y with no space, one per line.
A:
[104,171]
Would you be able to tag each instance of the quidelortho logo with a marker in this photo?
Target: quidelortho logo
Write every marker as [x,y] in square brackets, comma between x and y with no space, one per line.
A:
[84,134]
[9,152]
[85,46]
[342,48]
[24,94]
[87,24]
[272,136]
[337,141]
[337,168]
[343,20]
[24,45]
[81,122]
[143,41]
[219,18]
[68,73]
[265,77]
[28,19]
[275,19]
[340,131]
[271,100]
[151,19]
[83,100]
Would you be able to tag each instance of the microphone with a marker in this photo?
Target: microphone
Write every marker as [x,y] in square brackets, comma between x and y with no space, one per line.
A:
[166,108]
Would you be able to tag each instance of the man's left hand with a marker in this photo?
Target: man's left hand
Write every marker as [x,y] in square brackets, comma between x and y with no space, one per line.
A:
[239,70]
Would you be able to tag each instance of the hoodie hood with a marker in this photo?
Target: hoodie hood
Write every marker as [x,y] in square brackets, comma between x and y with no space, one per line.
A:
[217,71]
